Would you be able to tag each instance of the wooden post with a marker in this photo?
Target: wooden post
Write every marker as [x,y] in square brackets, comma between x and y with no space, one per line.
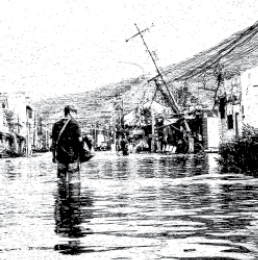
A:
[152,129]
[27,139]
[122,112]
[35,132]
[95,132]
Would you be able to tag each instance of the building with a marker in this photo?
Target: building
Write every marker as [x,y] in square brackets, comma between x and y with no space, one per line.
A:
[16,122]
[224,81]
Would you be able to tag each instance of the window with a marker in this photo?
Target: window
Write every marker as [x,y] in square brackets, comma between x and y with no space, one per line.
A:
[29,112]
[230,122]
[222,104]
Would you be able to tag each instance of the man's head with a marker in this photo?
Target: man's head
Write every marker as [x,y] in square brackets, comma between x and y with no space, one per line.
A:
[70,110]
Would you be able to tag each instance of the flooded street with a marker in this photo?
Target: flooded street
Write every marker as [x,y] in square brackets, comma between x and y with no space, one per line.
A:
[137,207]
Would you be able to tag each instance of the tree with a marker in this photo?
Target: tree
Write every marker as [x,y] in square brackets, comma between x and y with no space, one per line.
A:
[10,117]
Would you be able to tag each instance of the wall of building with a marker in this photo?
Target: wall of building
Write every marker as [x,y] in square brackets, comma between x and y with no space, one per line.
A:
[249,80]
[244,110]
[22,120]
[211,132]
[231,125]
[17,104]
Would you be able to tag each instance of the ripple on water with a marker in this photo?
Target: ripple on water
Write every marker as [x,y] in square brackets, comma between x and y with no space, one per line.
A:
[133,207]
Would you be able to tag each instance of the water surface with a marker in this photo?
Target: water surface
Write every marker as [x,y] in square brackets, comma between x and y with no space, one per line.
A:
[137,207]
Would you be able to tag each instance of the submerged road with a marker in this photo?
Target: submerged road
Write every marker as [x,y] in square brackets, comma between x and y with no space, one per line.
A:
[138,207]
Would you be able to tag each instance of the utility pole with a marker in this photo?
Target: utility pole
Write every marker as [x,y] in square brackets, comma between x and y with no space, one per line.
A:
[18,123]
[153,136]
[122,112]
[173,104]
[95,133]
[171,100]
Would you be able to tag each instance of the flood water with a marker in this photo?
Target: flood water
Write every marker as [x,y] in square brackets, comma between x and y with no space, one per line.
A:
[138,207]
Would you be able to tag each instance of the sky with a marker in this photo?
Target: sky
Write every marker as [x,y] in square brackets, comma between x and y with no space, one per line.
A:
[53,47]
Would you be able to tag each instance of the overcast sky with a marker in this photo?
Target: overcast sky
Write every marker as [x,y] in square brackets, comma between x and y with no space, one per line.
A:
[62,46]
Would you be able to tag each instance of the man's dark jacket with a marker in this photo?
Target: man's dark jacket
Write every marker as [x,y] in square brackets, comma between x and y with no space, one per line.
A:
[67,150]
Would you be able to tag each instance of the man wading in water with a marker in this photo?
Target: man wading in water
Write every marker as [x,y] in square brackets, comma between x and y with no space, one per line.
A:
[66,144]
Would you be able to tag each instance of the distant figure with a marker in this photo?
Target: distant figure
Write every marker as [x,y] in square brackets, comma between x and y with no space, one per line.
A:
[117,145]
[124,146]
[181,146]
[66,143]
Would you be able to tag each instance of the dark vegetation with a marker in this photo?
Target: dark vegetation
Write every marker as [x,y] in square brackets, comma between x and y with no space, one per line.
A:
[240,155]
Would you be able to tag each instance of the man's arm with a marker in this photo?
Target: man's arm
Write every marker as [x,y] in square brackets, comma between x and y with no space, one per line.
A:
[78,137]
[53,145]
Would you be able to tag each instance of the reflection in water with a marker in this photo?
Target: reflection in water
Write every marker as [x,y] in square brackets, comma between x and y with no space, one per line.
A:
[71,210]
[141,206]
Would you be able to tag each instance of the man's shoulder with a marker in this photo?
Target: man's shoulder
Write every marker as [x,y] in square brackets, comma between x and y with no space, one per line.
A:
[73,122]
[59,122]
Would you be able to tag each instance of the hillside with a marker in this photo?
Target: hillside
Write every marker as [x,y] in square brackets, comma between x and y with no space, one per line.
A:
[193,81]
[93,104]
[99,105]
